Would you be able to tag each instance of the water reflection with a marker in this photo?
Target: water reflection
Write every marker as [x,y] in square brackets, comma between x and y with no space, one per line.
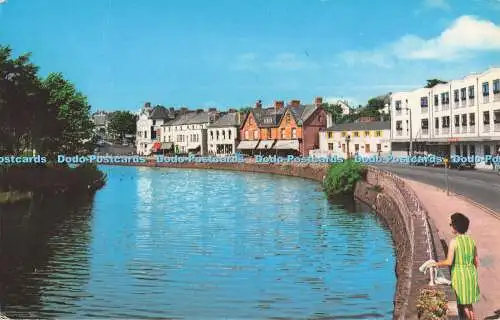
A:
[207,245]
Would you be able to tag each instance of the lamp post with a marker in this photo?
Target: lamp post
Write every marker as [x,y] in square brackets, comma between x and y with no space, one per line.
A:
[347,139]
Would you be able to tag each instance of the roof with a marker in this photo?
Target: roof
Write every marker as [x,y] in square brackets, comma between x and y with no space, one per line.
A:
[270,117]
[159,112]
[228,120]
[361,126]
[192,117]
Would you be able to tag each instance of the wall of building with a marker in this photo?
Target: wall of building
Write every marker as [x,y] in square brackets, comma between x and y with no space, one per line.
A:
[335,141]
[227,136]
[311,130]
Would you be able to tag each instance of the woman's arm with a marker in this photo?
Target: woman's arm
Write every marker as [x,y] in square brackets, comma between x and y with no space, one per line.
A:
[449,259]
[476,258]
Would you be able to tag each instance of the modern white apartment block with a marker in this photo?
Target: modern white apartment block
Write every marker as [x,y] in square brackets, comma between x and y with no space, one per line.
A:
[459,117]
[188,132]
[223,135]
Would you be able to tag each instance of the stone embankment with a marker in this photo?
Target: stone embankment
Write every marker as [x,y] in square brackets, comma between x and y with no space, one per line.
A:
[414,234]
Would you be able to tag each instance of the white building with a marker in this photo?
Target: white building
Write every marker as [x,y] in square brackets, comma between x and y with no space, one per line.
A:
[149,123]
[459,117]
[188,132]
[362,138]
[223,135]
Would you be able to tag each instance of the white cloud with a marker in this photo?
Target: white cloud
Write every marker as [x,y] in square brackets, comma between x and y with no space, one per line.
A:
[465,36]
[246,61]
[438,4]
[290,62]
[3,1]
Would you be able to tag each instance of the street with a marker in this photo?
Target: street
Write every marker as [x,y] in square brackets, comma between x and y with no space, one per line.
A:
[480,186]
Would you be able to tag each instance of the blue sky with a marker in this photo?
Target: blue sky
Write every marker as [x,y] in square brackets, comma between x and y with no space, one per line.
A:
[201,53]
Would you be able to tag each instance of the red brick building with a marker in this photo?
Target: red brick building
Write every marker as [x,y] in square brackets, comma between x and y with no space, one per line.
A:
[282,129]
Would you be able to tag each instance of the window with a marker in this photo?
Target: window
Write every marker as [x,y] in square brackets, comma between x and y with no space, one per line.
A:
[269,133]
[256,134]
[217,135]
[356,147]
[472,149]
[464,120]
[496,86]
[486,117]
[378,133]
[344,134]
[154,122]
[445,99]
[399,125]
[283,133]
[486,89]
[330,146]
[457,149]
[398,105]
[294,133]
[367,148]
[463,93]
[471,92]
[445,121]
[436,100]
[472,119]
[457,120]
[424,103]
[229,134]
[367,133]
[455,95]
[379,147]
[436,123]
[211,135]
[356,133]
[288,118]
[223,134]
[425,124]
[247,135]
[330,135]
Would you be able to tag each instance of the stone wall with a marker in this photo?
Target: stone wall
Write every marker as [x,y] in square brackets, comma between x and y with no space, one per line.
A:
[414,234]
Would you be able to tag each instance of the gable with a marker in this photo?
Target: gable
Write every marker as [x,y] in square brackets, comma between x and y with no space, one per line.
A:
[317,118]
[288,115]
[249,121]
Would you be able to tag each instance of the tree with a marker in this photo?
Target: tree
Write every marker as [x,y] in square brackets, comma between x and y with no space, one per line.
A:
[433,82]
[122,123]
[335,110]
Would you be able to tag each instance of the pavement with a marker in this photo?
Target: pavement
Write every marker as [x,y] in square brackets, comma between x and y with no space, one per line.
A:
[481,186]
[484,229]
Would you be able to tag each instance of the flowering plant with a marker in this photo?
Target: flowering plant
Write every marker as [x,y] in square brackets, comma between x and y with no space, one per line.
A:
[432,304]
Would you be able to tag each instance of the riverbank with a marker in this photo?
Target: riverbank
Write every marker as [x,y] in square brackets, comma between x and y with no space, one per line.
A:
[414,234]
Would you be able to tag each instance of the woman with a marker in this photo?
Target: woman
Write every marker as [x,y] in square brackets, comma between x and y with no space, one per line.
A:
[462,257]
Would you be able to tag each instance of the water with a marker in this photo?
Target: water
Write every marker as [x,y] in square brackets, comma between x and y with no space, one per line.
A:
[193,244]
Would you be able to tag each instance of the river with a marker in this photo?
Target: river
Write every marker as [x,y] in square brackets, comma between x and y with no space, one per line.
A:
[195,244]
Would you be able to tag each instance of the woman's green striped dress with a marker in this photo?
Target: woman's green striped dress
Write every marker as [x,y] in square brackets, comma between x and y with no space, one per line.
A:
[463,271]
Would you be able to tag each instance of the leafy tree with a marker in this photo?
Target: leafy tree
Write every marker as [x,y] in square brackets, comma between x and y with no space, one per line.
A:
[122,123]
[335,110]
[244,110]
[434,82]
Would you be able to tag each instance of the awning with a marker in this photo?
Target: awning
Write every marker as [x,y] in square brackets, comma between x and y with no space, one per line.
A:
[287,145]
[198,147]
[156,146]
[167,146]
[265,144]
[248,144]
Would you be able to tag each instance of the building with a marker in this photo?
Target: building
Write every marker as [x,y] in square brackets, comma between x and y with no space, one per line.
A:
[223,135]
[459,117]
[282,130]
[149,123]
[363,138]
[188,132]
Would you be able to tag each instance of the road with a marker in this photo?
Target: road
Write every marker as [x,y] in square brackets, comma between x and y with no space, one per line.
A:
[480,186]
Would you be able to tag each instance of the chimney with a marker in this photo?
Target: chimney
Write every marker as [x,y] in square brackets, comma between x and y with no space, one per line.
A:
[295,103]
[318,101]
[238,117]
[258,104]
[279,104]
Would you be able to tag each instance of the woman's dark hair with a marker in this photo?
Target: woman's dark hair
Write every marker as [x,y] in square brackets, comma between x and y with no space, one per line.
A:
[460,222]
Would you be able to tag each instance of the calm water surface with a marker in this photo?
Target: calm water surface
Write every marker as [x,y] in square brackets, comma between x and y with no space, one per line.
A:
[193,244]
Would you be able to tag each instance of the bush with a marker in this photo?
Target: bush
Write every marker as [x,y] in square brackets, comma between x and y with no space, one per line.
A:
[432,304]
[341,178]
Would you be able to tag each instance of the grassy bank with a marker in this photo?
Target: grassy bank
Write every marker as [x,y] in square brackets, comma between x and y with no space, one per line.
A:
[23,182]
[341,178]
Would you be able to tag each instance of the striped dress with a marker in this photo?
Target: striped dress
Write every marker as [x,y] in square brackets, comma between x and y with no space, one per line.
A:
[463,271]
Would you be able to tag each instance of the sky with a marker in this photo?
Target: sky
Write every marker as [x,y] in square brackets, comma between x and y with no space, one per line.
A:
[230,53]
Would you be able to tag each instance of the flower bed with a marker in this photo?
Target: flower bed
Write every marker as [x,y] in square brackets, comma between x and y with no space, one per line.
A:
[432,304]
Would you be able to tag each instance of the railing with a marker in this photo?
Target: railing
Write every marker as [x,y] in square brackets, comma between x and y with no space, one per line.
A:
[486,127]
[472,128]
[445,131]
[486,99]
